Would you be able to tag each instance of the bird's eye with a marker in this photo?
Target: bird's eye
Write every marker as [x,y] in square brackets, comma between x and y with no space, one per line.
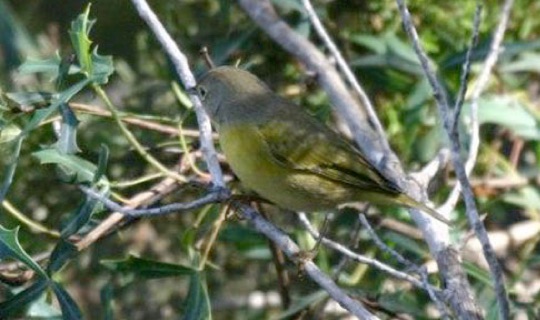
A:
[202,92]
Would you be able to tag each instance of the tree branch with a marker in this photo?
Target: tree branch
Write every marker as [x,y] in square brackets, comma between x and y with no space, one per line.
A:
[182,69]
[459,167]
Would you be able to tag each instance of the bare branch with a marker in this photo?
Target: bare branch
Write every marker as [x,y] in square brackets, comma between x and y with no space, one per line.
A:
[346,71]
[358,257]
[472,211]
[181,65]
[409,264]
[466,68]
[481,83]
[215,196]
[292,251]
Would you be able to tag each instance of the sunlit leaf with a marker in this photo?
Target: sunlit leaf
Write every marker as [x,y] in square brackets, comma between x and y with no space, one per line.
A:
[9,134]
[80,29]
[508,112]
[26,99]
[49,65]
[76,168]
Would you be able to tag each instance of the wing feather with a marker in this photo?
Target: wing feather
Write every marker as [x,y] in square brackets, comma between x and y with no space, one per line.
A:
[312,147]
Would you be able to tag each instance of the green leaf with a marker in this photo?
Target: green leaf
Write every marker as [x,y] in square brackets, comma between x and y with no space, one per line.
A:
[376,44]
[63,97]
[508,112]
[150,269]
[67,94]
[390,51]
[11,167]
[106,298]
[70,310]
[526,197]
[26,99]
[22,299]
[67,140]
[197,303]
[528,62]
[63,251]
[478,273]
[102,67]
[80,29]
[102,163]
[63,71]
[49,65]
[9,134]
[77,169]
[82,215]
[10,247]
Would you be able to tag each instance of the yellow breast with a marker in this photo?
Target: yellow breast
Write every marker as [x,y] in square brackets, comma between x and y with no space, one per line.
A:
[251,160]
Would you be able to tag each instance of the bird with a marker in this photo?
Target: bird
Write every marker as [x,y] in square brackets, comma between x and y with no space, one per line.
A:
[287,156]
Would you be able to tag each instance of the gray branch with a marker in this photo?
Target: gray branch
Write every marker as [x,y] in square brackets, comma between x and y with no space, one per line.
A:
[481,83]
[459,167]
[372,115]
[183,71]
[292,251]
[363,259]
[214,196]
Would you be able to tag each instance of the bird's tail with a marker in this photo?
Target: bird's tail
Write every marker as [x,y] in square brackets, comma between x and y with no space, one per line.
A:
[410,202]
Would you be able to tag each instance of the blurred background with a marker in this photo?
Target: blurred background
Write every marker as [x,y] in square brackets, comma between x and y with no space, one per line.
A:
[370,35]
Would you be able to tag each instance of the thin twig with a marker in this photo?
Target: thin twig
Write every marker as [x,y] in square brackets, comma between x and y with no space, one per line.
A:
[278,258]
[182,69]
[466,68]
[471,209]
[481,83]
[145,198]
[397,256]
[292,251]
[358,257]
[31,224]
[133,140]
[134,120]
[344,67]
[409,264]
[215,196]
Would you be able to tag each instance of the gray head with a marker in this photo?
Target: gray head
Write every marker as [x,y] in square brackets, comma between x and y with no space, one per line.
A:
[228,92]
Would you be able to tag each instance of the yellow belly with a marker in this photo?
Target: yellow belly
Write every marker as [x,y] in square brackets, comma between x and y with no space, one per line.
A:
[291,189]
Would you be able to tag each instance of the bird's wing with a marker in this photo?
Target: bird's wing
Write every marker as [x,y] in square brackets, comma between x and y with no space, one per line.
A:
[311,147]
